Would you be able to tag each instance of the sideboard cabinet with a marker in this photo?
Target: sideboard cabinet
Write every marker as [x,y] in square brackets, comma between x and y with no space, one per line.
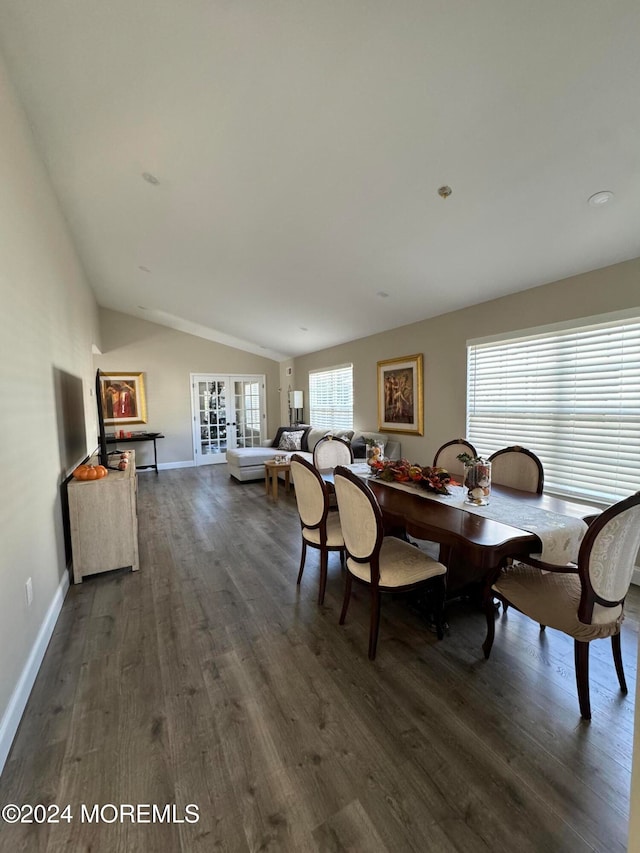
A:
[103,518]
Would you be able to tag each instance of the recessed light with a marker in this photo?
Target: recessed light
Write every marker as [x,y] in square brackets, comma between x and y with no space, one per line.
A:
[598,199]
[444,192]
[149,178]
[142,307]
[144,269]
[382,294]
[303,329]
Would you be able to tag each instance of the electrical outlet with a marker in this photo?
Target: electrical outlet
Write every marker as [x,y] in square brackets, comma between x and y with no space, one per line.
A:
[28,587]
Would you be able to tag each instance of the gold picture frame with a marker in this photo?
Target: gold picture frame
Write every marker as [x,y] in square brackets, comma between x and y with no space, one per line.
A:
[123,398]
[400,404]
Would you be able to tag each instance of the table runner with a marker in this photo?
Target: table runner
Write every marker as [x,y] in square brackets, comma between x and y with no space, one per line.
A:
[560,534]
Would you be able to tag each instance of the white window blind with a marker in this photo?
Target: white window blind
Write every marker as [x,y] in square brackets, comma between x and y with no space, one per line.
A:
[572,396]
[331,397]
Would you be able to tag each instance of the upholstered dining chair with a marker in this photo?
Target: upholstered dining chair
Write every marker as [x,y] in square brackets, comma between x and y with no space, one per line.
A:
[585,600]
[331,451]
[320,528]
[517,468]
[386,564]
[447,455]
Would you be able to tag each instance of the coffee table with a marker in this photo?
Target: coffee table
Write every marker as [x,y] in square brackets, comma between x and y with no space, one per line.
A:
[271,471]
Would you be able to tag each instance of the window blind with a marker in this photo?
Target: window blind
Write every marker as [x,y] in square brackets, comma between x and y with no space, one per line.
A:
[571,396]
[331,397]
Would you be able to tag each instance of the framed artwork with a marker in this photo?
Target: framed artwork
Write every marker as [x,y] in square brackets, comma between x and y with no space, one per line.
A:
[400,395]
[123,400]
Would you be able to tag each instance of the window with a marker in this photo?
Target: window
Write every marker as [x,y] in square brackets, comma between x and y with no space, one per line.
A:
[570,395]
[331,397]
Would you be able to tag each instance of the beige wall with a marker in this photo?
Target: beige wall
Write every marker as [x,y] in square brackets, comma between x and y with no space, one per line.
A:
[442,340]
[49,322]
[167,358]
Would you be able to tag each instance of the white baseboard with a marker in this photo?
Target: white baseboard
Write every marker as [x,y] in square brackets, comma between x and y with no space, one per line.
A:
[163,466]
[17,703]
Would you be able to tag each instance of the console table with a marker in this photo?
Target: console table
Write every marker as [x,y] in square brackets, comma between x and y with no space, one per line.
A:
[103,519]
[140,436]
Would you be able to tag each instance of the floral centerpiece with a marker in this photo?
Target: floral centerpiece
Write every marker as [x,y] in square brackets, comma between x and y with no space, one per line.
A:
[403,471]
[477,478]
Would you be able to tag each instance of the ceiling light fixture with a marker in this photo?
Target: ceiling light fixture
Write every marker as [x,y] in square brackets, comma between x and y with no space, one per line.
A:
[150,179]
[382,294]
[598,199]
[445,191]
[144,269]
[303,329]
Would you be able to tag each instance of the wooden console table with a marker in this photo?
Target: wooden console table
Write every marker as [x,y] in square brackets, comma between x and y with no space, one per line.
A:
[103,519]
[140,436]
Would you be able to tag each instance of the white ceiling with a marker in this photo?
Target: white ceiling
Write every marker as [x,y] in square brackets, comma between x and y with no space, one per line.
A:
[300,145]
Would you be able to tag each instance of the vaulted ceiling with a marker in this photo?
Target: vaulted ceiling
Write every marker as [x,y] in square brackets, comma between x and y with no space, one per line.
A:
[293,153]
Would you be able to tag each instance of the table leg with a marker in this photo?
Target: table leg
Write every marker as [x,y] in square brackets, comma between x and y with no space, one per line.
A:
[286,482]
[275,484]
[267,474]
[155,455]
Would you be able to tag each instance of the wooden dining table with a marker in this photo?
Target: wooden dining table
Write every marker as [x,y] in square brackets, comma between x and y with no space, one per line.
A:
[471,546]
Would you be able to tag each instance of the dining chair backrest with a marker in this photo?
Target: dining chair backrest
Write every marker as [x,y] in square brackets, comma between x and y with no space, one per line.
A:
[360,516]
[447,456]
[517,468]
[311,491]
[331,451]
[607,559]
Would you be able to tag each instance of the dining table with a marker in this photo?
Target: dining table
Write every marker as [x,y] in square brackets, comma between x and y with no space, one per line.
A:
[473,546]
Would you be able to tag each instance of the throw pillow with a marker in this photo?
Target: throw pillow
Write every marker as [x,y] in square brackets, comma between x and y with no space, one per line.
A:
[359,448]
[346,434]
[290,440]
[300,428]
[313,437]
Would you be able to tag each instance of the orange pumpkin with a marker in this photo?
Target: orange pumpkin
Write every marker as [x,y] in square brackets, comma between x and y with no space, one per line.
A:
[90,472]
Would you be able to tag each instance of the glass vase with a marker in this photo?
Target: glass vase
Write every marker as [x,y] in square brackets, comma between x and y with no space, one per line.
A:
[477,482]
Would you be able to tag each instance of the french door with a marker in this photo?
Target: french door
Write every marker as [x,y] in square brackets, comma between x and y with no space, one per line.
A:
[228,412]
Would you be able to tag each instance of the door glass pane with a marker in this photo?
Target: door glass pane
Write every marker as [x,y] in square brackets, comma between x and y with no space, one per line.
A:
[212,416]
[247,409]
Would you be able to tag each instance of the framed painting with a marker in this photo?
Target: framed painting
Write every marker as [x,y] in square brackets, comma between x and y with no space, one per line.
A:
[123,400]
[400,395]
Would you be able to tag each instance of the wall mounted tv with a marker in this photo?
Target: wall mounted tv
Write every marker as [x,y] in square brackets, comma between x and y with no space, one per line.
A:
[103,452]
[72,433]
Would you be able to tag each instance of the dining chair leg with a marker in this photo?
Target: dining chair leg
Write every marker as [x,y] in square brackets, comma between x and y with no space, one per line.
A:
[617,659]
[342,559]
[490,613]
[440,590]
[347,598]
[302,559]
[375,622]
[324,558]
[582,678]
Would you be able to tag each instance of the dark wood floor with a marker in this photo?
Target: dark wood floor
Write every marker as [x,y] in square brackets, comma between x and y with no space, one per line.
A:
[209,678]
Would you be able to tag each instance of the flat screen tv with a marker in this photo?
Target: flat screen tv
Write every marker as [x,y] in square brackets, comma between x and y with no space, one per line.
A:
[103,452]
[72,436]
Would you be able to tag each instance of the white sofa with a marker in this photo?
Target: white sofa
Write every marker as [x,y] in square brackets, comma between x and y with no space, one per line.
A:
[247,463]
